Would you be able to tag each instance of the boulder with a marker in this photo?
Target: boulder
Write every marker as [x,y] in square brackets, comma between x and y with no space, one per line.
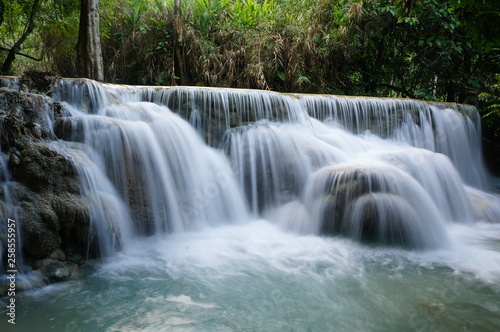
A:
[382,218]
[57,255]
[69,129]
[42,185]
[42,168]
[40,228]
[56,271]
[335,188]
[374,203]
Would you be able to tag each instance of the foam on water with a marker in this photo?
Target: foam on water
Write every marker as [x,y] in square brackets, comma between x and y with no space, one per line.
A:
[254,275]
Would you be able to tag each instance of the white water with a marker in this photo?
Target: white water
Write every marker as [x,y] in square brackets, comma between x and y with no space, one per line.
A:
[262,211]
[256,277]
[280,156]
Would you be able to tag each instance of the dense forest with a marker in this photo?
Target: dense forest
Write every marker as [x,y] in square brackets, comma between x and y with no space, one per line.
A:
[425,49]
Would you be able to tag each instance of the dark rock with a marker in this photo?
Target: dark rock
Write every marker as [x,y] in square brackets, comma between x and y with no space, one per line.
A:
[49,221]
[44,169]
[57,255]
[381,218]
[14,160]
[36,130]
[25,110]
[336,187]
[75,258]
[74,214]
[38,81]
[69,129]
[60,111]
[374,203]
[19,192]
[56,271]
[39,226]
[43,186]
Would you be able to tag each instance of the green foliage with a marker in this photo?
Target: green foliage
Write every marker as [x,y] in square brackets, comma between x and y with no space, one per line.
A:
[207,14]
[428,49]
[250,13]
[491,101]
[51,41]
[482,21]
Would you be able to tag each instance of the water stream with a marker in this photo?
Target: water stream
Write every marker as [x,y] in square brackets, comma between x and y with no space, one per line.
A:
[241,210]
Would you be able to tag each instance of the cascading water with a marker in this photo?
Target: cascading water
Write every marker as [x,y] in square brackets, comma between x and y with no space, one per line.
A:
[454,132]
[371,200]
[109,216]
[8,211]
[282,149]
[382,214]
[163,172]
[4,211]
[9,82]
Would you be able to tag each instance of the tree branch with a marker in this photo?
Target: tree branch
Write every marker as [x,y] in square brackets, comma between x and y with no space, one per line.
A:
[398,89]
[22,54]
[11,56]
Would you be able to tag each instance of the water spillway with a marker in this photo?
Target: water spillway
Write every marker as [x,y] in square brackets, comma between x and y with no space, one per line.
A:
[187,158]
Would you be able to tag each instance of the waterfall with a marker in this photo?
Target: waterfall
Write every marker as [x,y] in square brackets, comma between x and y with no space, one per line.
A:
[161,171]
[4,177]
[366,199]
[167,160]
[209,206]
[109,216]
[9,82]
[8,211]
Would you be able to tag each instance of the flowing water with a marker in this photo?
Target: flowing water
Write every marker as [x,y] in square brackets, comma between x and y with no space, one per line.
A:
[239,210]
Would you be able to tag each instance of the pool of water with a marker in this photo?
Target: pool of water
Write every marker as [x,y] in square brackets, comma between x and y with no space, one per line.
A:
[256,277]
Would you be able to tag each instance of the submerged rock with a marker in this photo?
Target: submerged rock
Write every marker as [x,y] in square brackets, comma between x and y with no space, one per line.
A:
[486,206]
[336,188]
[380,217]
[69,129]
[56,271]
[374,203]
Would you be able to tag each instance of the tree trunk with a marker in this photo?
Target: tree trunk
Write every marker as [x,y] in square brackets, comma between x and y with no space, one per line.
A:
[450,91]
[180,75]
[88,47]
[11,56]
[466,74]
